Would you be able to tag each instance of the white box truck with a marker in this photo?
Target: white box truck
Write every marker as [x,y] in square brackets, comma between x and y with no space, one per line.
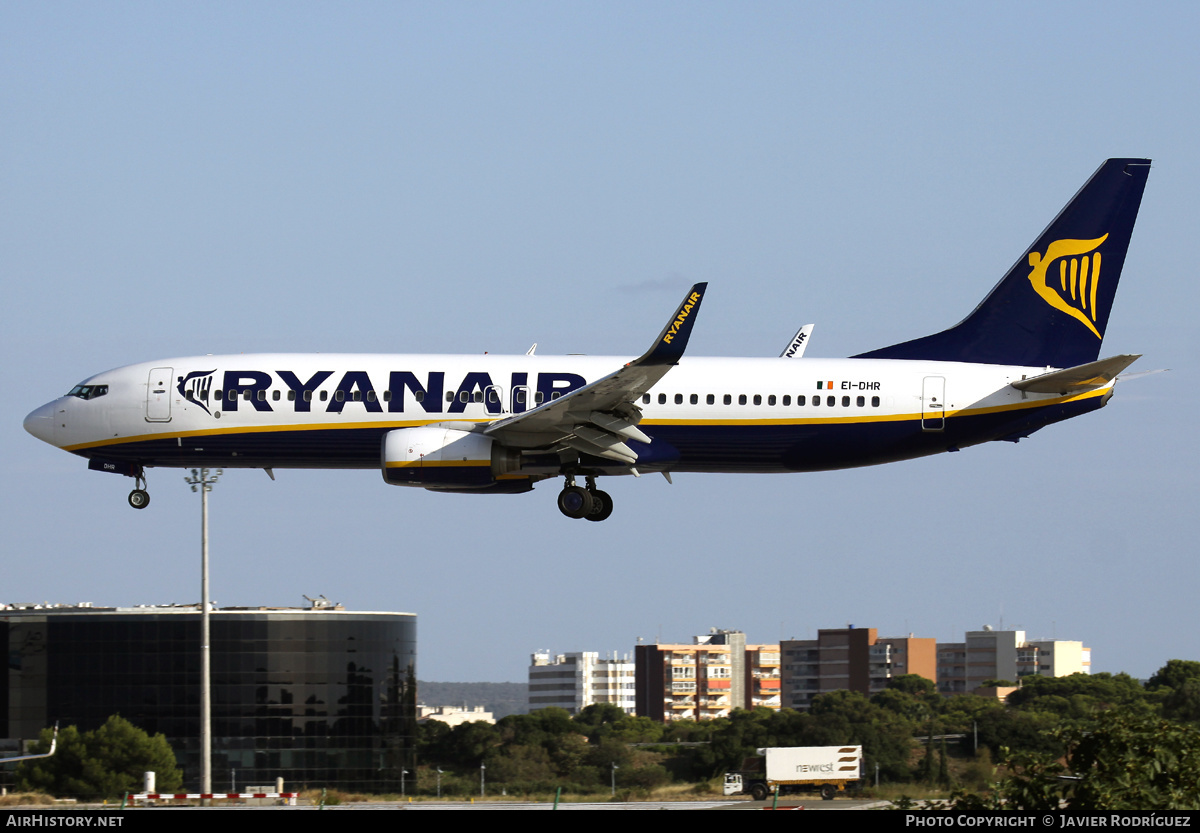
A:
[792,769]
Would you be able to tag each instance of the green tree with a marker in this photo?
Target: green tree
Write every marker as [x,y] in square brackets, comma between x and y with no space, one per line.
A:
[1120,760]
[849,717]
[913,684]
[1174,674]
[103,763]
[1077,693]
[1005,729]
[943,773]
[1183,703]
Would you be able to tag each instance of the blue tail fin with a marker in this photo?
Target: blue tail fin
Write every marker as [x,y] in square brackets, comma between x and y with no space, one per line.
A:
[1051,309]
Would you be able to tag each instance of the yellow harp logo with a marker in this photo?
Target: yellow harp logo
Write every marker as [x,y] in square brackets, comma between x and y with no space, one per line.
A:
[1077,280]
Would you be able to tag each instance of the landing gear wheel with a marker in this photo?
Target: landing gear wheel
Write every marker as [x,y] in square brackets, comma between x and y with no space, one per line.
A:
[575,502]
[602,505]
[828,792]
[139,498]
[759,792]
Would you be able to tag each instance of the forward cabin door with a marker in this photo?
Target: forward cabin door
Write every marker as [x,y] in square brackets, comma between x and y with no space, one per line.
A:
[158,395]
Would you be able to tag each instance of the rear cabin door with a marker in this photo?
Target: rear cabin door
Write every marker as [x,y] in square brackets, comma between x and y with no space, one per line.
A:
[933,403]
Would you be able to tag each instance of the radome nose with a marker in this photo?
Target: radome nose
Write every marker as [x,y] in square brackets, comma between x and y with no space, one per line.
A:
[40,423]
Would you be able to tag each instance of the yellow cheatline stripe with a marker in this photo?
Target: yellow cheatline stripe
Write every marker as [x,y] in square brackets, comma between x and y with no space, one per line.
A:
[350,426]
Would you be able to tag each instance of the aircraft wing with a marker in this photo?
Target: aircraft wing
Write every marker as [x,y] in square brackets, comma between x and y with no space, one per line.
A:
[53,743]
[597,418]
[799,342]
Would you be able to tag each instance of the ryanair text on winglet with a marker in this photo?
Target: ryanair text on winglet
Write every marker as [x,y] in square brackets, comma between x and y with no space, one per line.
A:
[684,312]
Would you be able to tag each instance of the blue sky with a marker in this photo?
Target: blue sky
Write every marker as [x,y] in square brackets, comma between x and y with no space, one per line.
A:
[195,178]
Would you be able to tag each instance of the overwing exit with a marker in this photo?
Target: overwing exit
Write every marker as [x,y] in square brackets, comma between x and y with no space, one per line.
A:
[1026,357]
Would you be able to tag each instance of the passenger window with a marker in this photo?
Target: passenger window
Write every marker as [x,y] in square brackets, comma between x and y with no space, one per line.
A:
[449,396]
[248,393]
[816,401]
[463,396]
[555,394]
[538,398]
[694,399]
[771,399]
[291,396]
[275,395]
[742,399]
[370,396]
[787,400]
[339,395]
[845,401]
[520,397]
[645,399]
[493,396]
[679,399]
[728,399]
[217,396]
[419,396]
[308,396]
[801,401]
[830,401]
[662,399]
[862,400]
[874,401]
[189,396]
[710,399]
[757,399]
[324,395]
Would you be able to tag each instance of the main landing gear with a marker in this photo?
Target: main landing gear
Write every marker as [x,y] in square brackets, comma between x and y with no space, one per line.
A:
[579,502]
[139,498]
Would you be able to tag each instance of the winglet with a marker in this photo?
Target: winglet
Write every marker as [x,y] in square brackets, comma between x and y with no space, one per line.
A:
[669,346]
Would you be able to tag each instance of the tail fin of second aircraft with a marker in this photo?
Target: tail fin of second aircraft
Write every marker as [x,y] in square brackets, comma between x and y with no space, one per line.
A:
[1052,307]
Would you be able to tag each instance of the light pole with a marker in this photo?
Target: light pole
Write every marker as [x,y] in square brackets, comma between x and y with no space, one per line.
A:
[403,772]
[439,787]
[614,778]
[482,770]
[201,481]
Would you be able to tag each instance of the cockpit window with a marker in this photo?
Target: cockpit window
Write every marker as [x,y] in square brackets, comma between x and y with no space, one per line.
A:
[88,391]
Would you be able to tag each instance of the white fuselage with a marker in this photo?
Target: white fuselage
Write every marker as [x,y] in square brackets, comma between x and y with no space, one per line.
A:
[722,414]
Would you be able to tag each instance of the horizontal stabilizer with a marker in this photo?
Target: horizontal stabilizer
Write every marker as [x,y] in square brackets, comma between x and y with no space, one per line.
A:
[1077,379]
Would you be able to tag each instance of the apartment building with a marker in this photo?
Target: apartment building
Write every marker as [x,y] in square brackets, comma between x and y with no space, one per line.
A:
[577,680]
[853,659]
[991,654]
[715,674]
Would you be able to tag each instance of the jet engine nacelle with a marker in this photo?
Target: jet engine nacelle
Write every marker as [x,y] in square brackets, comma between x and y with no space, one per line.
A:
[442,457]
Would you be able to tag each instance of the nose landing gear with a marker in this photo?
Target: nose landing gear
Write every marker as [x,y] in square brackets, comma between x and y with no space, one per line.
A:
[579,502]
[139,498]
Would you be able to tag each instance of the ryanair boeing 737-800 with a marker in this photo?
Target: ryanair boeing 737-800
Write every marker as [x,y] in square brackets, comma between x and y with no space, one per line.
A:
[1026,357]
